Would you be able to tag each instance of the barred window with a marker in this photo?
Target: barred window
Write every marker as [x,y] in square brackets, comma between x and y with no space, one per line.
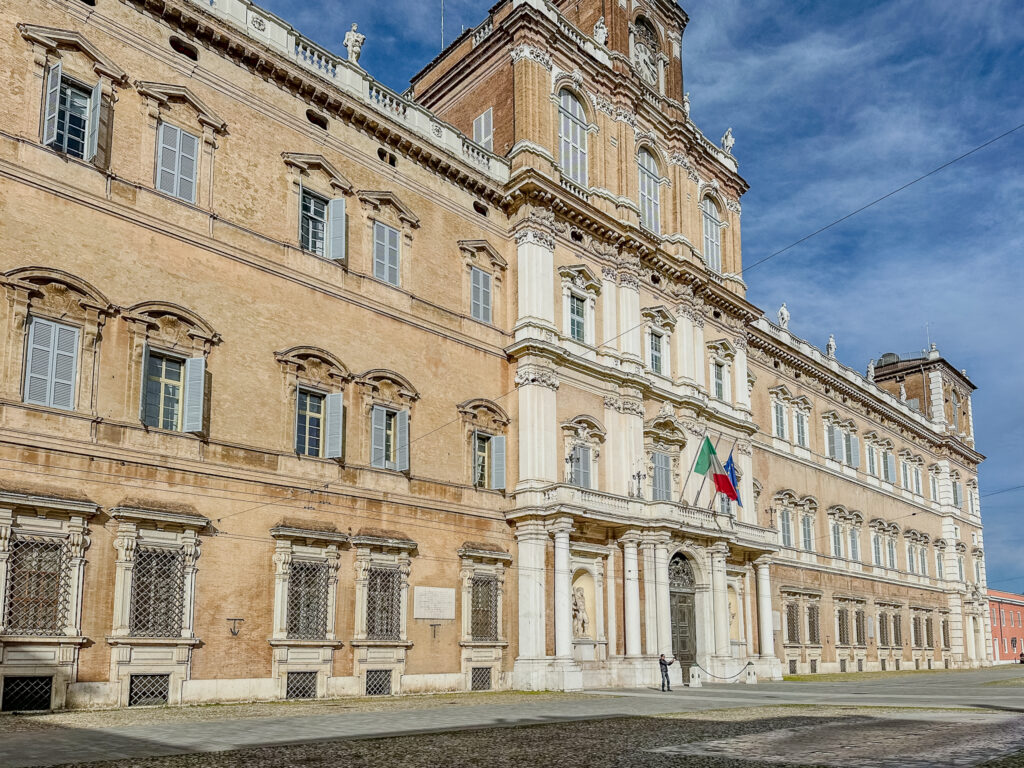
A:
[308,584]
[384,604]
[945,633]
[929,632]
[484,623]
[38,582]
[158,593]
[917,636]
[897,630]
[860,628]
[813,624]
[883,629]
[792,623]
[844,626]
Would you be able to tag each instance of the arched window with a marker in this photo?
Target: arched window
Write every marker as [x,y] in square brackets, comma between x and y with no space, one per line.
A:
[650,192]
[572,135]
[712,234]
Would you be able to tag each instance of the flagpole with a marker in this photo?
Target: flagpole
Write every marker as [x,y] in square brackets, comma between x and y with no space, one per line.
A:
[735,440]
[696,455]
[695,498]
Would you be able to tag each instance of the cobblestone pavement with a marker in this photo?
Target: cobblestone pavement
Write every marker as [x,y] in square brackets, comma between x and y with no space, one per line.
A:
[164,733]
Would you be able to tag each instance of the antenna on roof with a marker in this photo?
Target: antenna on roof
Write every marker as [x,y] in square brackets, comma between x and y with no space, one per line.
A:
[928,335]
[442,25]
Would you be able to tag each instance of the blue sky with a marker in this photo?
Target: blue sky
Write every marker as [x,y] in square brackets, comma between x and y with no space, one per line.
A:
[834,104]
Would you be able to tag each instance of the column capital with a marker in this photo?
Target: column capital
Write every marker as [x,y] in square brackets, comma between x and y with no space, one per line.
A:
[763,562]
[530,530]
[719,549]
[657,538]
[630,537]
[560,525]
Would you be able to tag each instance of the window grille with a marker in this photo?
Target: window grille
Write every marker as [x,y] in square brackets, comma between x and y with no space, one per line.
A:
[308,584]
[917,636]
[813,625]
[945,663]
[314,223]
[22,694]
[883,629]
[860,627]
[814,666]
[383,604]
[148,690]
[485,608]
[883,665]
[929,632]
[897,632]
[945,633]
[917,663]
[38,586]
[860,665]
[378,682]
[793,622]
[844,626]
[301,685]
[158,593]
[792,666]
[842,665]
[480,679]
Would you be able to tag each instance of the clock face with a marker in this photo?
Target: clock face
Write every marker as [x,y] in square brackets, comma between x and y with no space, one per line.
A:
[645,59]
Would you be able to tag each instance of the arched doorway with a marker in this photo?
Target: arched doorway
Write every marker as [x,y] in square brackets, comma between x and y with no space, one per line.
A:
[681,589]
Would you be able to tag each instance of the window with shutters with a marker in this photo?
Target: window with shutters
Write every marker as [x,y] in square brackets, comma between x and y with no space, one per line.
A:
[73,108]
[960,567]
[719,380]
[779,420]
[177,160]
[309,423]
[933,483]
[488,461]
[911,559]
[793,623]
[480,298]
[163,391]
[888,466]
[650,192]
[51,363]
[313,223]
[808,533]
[390,438]
[383,604]
[837,540]
[655,353]
[891,547]
[939,572]
[786,527]
[661,485]
[872,455]
[712,227]
[580,466]
[577,318]
[386,253]
[922,560]
[977,570]
[844,626]
[876,549]
[958,492]
[483,130]
[801,429]
[854,552]
[917,480]
[572,138]
[484,607]
[814,624]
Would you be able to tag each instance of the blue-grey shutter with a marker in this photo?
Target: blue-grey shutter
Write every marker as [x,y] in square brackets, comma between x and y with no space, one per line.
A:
[393,256]
[378,425]
[380,247]
[38,364]
[334,425]
[336,228]
[854,458]
[476,300]
[891,467]
[142,383]
[195,394]
[831,431]
[65,360]
[485,297]
[167,158]
[584,466]
[497,446]
[51,103]
[188,151]
[92,136]
[402,438]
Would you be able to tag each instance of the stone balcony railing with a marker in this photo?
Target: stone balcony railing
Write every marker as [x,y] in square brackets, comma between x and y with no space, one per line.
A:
[267,29]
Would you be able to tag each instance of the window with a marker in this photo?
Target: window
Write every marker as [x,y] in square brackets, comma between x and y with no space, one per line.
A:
[308,584]
[779,413]
[793,622]
[905,469]
[960,567]
[934,489]
[883,629]
[650,192]
[577,318]
[801,429]
[572,135]
[854,544]
[313,223]
[579,466]
[958,494]
[483,130]
[888,466]
[38,586]
[844,626]
[480,299]
[71,120]
[851,448]
[872,453]
[786,527]
[808,531]
[719,370]
[910,559]
[837,540]
[813,624]
[860,627]
[51,364]
[916,633]
[922,558]
[938,566]
[484,606]
[385,253]
[876,548]
[897,630]
[157,596]
[390,438]
[383,604]
[163,391]
[488,461]
[917,480]
[712,234]
[309,422]
[892,552]
[656,342]
[662,480]
[929,632]
[956,411]
[177,152]
[977,571]
[945,633]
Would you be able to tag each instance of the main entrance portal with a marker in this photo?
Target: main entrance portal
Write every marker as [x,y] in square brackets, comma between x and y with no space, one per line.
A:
[684,633]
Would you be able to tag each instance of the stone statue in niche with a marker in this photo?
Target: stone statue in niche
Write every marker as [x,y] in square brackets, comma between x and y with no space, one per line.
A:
[600,32]
[830,348]
[354,40]
[783,316]
[728,141]
[580,620]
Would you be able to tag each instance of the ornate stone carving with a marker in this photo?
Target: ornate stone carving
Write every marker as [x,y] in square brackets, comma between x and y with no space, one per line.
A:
[533,53]
[632,408]
[600,32]
[536,375]
[542,239]
[625,116]
[728,141]
[680,574]
[783,316]
[353,43]
[733,205]
[580,620]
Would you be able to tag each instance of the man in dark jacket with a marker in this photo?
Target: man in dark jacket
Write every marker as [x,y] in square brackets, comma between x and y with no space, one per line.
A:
[665,683]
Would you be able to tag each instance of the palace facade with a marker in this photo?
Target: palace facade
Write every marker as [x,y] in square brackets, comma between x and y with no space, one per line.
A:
[314,389]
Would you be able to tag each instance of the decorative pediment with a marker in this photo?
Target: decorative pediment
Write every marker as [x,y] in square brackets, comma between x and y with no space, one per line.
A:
[53,40]
[723,348]
[809,503]
[585,427]
[802,402]
[57,291]
[659,316]
[177,326]
[665,429]
[833,417]
[483,412]
[473,250]
[377,200]
[302,164]
[580,276]
[389,385]
[165,93]
[781,392]
[786,497]
[314,364]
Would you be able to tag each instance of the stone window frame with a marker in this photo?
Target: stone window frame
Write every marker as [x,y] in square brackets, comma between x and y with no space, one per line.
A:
[387,389]
[58,296]
[381,549]
[803,599]
[848,522]
[663,434]
[480,415]
[852,605]
[661,322]
[787,501]
[480,254]
[160,100]
[780,396]
[587,431]
[384,207]
[314,172]
[580,281]
[850,442]
[720,352]
[51,45]
[316,370]
[800,405]
[573,85]
[808,509]
[482,560]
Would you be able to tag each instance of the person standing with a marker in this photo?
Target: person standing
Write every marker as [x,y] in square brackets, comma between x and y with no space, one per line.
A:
[666,684]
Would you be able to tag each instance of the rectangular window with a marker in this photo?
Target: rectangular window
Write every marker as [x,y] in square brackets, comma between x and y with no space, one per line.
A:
[922,558]
[916,633]
[38,582]
[792,623]
[910,559]
[383,604]
[917,480]
[480,300]
[808,533]
[656,341]
[385,253]
[876,548]
[313,223]
[892,553]
[844,626]
[483,130]
[662,481]
[786,527]
[960,567]
[308,584]
[577,318]
[872,458]
[164,387]
[945,633]
[309,423]
[837,540]
[958,494]
[177,153]
[484,598]
[157,596]
[488,461]
[51,364]
[72,120]
[938,566]
[854,544]
[860,627]
[390,438]
[905,469]
[883,629]
[801,429]
[579,466]
[929,632]
[779,411]
[719,381]
[848,448]
[897,631]
[813,624]
[977,571]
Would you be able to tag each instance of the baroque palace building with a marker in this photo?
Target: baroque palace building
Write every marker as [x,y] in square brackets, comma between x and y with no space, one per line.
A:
[307,393]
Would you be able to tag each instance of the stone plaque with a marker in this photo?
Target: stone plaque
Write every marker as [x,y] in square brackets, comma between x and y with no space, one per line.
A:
[433,603]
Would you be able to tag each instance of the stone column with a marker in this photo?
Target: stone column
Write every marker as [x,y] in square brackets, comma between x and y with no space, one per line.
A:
[700,362]
[650,597]
[630,321]
[611,588]
[720,598]
[683,340]
[538,426]
[535,251]
[748,613]
[765,625]
[740,394]
[631,593]
[531,546]
[609,311]
[563,589]
[661,590]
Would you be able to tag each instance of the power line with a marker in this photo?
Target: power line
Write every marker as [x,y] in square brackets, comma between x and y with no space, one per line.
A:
[1003,490]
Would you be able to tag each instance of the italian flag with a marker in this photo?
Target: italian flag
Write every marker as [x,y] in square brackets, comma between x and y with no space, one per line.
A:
[707,461]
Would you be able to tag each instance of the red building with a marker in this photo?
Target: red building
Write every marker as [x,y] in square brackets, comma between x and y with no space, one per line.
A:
[1007,611]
